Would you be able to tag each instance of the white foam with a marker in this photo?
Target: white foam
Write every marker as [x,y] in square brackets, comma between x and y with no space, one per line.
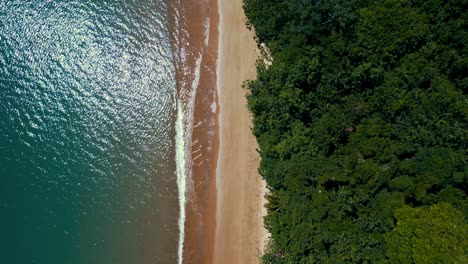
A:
[213,107]
[196,80]
[207,31]
[184,128]
[198,124]
[199,155]
[181,176]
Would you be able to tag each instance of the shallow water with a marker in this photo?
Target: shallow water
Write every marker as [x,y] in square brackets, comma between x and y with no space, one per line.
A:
[87,127]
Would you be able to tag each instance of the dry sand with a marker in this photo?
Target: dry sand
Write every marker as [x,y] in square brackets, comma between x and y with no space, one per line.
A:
[240,234]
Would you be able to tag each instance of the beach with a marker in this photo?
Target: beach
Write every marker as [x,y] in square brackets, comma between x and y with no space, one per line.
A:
[200,43]
[225,205]
[240,235]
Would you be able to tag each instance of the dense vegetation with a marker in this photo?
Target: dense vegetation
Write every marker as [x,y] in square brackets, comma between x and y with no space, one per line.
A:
[361,121]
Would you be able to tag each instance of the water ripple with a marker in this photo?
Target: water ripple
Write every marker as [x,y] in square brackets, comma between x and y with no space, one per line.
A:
[87,115]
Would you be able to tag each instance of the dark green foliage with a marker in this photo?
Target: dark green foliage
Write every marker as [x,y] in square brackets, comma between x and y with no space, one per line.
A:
[361,120]
[437,234]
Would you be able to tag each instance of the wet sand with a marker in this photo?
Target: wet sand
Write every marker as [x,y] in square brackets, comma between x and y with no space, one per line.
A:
[201,40]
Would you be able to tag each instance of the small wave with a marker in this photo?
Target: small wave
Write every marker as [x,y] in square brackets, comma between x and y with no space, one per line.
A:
[184,128]
[181,176]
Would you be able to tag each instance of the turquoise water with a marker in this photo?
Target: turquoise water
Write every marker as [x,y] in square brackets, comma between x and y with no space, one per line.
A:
[87,112]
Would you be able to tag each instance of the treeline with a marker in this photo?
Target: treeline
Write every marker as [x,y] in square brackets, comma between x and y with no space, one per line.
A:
[361,121]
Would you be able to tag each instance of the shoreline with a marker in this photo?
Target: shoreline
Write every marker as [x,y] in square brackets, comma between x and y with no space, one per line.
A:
[202,46]
[225,193]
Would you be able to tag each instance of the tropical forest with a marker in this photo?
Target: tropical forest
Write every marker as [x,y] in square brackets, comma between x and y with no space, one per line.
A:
[360,112]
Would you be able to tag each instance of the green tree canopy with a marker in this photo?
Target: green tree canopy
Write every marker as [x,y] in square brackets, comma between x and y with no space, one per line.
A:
[435,234]
[361,121]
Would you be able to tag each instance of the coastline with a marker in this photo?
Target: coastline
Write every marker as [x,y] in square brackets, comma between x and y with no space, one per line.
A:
[240,236]
[201,46]
[225,193]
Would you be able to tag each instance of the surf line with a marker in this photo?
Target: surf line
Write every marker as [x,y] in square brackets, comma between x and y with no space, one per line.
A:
[184,128]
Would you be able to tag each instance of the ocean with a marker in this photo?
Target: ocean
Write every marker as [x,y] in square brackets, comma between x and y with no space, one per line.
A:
[93,132]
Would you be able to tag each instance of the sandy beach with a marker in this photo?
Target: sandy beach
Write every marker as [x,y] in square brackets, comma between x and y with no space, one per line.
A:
[225,206]
[240,234]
